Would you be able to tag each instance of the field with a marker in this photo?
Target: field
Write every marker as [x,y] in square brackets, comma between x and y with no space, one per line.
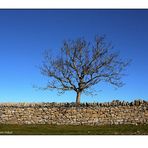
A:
[73,130]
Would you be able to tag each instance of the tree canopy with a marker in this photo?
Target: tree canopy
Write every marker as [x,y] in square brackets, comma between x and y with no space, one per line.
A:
[82,64]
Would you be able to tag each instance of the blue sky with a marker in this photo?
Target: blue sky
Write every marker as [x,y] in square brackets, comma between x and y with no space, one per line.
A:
[25,34]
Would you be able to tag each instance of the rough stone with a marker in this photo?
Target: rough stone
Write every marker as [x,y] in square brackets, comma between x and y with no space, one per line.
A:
[115,112]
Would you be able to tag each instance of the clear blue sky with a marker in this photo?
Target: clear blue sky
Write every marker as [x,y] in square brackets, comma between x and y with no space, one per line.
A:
[25,34]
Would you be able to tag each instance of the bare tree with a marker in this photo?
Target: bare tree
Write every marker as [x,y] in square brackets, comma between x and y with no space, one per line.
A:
[81,64]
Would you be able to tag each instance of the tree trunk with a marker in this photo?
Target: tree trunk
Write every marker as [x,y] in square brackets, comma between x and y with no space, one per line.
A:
[78,98]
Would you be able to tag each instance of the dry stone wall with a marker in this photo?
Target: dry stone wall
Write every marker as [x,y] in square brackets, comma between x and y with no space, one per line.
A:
[115,112]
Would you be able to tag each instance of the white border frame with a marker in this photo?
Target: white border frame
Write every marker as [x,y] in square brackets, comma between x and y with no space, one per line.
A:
[73,141]
[81,4]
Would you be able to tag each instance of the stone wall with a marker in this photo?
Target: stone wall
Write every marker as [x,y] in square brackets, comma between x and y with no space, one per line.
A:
[115,112]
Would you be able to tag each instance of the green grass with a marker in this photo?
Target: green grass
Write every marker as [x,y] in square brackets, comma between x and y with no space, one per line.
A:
[73,130]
